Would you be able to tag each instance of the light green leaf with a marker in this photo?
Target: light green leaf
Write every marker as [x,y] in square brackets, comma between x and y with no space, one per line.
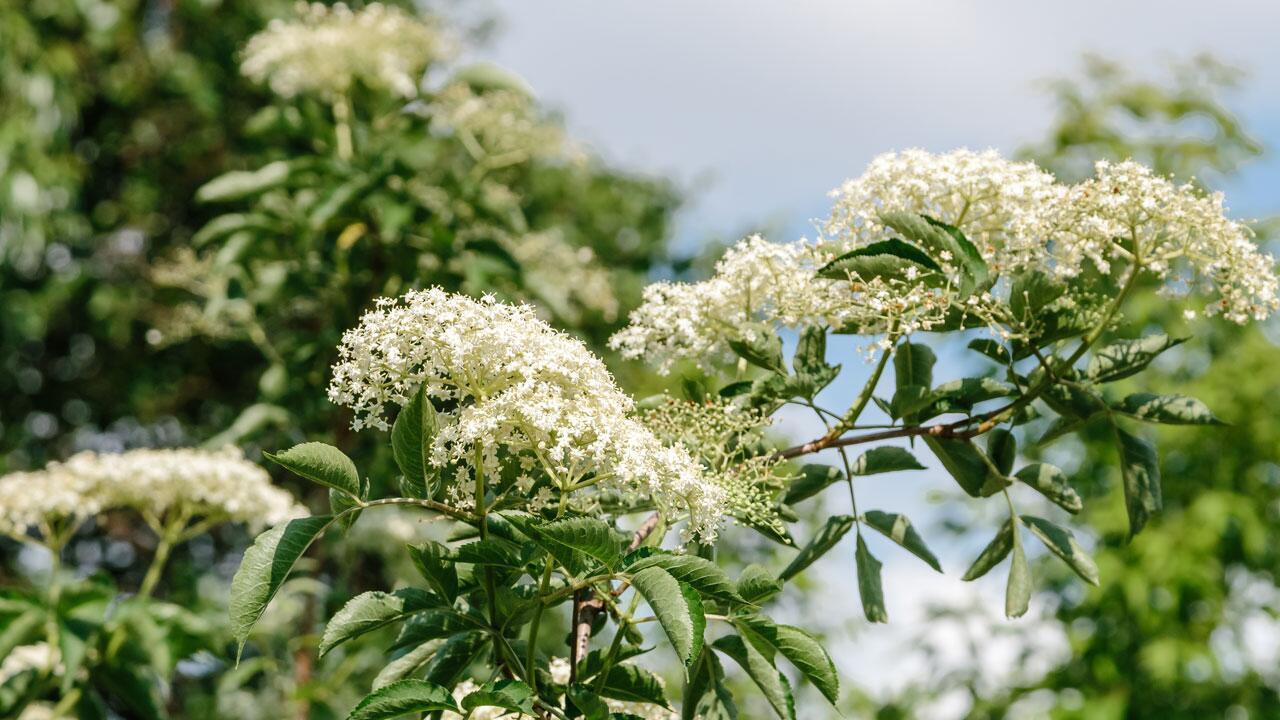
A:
[703,575]
[401,698]
[323,464]
[410,663]
[992,554]
[814,478]
[411,438]
[772,683]
[887,458]
[369,611]
[1053,484]
[869,588]
[241,183]
[828,535]
[1062,543]
[1167,409]
[899,529]
[225,225]
[681,619]
[632,683]
[1140,469]
[1017,594]
[1128,357]
[264,568]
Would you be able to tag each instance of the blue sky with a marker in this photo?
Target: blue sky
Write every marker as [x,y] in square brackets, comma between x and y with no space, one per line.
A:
[762,107]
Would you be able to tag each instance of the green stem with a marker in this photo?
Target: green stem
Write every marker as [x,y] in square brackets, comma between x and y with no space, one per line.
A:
[342,126]
[531,661]
[624,619]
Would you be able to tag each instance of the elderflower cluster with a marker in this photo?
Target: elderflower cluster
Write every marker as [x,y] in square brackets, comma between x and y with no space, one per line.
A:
[157,483]
[1179,233]
[38,657]
[326,50]
[565,277]
[560,675]
[511,384]
[727,438]
[496,122]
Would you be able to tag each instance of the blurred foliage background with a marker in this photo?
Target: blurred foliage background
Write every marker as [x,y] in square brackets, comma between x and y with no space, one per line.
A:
[142,304]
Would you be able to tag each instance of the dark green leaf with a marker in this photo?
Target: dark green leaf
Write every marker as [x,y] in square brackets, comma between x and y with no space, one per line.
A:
[510,695]
[814,478]
[890,259]
[802,650]
[433,560]
[899,529]
[763,352]
[323,464]
[1017,594]
[454,657]
[886,458]
[369,611]
[491,551]
[706,697]
[1140,469]
[869,588]
[401,698]
[755,584]
[772,683]
[913,365]
[411,438]
[1002,448]
[679,611]
[587,702]
[410,663]
[634,684]
[1167,409]
[1053,484]
[992,554]
[703,575]
[991,349]
[264,568]
[1062,543]
[968,465]
[590,536]
[826,538]
[1128,357]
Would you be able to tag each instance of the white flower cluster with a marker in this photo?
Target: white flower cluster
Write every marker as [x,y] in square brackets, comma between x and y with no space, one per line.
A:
[200,483]
[566,278]
[496,121]
[1018,217]
[512,383]
[559,668]
[40,657]
[328,49]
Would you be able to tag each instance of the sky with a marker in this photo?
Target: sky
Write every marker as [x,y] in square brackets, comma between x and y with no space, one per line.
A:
[760,108]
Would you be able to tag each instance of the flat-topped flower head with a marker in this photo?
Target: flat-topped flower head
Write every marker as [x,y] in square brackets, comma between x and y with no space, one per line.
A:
[1000,205]
[509,382]
[155,482]
[1126,212]
[325,50]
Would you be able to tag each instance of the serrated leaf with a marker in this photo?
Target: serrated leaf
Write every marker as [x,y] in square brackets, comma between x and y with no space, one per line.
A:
[763,352]
[679,611]
[890,259]
[811,352]
[588,704]
[407,664]
[1127,357]
[814,478]
[1017,594]
[703,575]
[899,529]
[510,695]
[706,696]
[869,587]
[991,349]
[632,683]
[369,611]
[322,464]
[968,465]
[772,683]
[492,551]
[802,650]
[454,656]
[1051,482]
[992,554]
[1062,543]
[589,536]
[826,538]
[411,439]
[755,584]
[940,240]
[434,563]
[887,458]
[1140,469]
[264,568]
[401,698]
[1167,409]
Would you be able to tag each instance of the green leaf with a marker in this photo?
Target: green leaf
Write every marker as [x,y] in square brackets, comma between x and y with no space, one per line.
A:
[510,695]
[1017,594]
[1002,448]
[991,349]
[913,365]
[763,352]
[706,696]
[755,584]
[410,663]
[939,238]
[590,536]
[1072,399]
[992,554]
[491,551]
[1062,543]
[908,400]
[811,352]
[1167,409]
[323,464]
[1033,292]
[1053,484]
[887,458]
[869,588]
[814,478]
[1061,427]
[1128,357]
[634,684]
[411,437]
[802,650]
[587,702]
[826,538]
[429,624]
[241,183]
[231,223]
[264,568]
[772,683]
[403,697]
[899,529]
[1140,469]
[890,259]
[433,561]
[369,611]
[677,607]
[703,575]
[968,465]
[960,396]
[454,657]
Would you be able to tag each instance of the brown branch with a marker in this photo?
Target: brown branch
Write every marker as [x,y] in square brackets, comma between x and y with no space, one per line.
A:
[952,430]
